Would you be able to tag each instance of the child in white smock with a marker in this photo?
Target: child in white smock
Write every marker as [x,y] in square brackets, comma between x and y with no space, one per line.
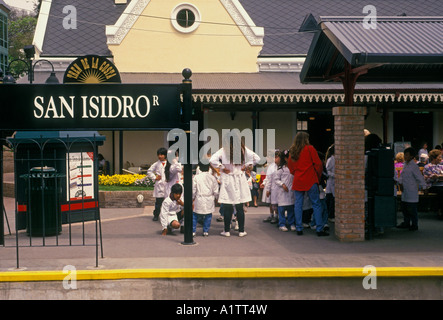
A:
[156,173]
[172,210]
[285,196]
[204,191]
[270,190]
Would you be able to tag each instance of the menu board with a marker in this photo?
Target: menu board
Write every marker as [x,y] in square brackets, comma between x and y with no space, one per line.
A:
[80,177]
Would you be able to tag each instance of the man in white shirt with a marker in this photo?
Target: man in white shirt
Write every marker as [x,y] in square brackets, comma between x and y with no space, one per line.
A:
[410,180]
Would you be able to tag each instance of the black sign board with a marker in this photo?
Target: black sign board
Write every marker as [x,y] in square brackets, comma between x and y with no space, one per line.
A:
[84,106]
[89,105]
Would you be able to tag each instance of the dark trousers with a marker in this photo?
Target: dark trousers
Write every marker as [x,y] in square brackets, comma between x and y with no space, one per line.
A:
[158,206]
[439,192]
[330,204]
[410,214]
[228,210]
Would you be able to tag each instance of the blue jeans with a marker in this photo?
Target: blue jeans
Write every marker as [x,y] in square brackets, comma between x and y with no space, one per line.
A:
[281,216]
[206,221]
[313,195]
[324,215]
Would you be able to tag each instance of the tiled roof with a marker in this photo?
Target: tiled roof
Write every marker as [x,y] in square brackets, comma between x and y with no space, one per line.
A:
[278,87]
[89,37]
[261,81]
[281,20]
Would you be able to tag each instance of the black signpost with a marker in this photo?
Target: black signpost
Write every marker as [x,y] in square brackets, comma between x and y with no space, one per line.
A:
[3,215]
[187,174]
[102,106]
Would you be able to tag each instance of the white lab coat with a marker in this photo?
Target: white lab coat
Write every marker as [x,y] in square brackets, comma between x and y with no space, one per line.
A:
[234,187]
[270,185]
[168,212]
[330,170]
[284,176]
[204,191]
[158,168]
[175,173]
[212,172]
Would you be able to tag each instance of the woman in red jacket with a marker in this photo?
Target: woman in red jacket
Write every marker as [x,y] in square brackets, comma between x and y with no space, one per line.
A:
[306,167]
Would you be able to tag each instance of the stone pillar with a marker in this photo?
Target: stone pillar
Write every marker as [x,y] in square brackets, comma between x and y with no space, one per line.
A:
[349,173]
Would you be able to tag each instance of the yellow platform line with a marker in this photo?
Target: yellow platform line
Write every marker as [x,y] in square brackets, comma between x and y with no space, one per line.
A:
[215,273]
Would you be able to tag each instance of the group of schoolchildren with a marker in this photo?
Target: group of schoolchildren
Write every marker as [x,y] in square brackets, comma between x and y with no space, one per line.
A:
[277,192]
[168,193]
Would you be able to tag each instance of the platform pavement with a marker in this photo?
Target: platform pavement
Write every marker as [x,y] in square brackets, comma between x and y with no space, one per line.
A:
[132,240]
[267,264]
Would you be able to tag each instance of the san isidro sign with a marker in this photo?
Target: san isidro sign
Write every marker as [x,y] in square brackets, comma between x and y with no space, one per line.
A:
[86,106]
[92,97]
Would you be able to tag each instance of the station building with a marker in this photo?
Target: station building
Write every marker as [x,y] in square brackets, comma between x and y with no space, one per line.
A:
[246,57]
[4,13]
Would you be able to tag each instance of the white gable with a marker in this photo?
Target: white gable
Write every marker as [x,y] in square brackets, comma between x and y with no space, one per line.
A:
[117,32]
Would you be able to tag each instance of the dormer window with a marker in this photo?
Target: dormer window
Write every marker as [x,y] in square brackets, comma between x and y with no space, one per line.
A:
[185,18]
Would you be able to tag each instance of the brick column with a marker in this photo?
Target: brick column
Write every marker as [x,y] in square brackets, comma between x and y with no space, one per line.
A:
[349,173]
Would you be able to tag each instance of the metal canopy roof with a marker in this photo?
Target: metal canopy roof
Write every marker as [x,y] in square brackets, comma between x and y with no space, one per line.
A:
[281,88]
[398,49]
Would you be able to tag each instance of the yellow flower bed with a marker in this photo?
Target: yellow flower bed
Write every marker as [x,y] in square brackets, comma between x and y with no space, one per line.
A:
[119,179]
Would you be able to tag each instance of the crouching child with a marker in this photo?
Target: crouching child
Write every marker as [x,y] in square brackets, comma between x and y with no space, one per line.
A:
[172,210]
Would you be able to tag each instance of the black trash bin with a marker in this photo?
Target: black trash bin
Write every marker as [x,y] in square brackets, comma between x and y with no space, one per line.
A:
[44,216]
[53,149]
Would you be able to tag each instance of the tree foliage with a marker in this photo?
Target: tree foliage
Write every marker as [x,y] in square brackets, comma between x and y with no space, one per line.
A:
[21,33]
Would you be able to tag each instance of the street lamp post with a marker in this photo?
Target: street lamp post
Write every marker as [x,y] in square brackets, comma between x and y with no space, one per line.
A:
[9,79]
[30,66]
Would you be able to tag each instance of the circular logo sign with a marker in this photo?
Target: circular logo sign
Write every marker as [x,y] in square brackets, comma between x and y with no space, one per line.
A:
[91,69]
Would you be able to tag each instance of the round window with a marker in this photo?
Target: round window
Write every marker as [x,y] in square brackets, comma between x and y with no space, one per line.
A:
[185,18]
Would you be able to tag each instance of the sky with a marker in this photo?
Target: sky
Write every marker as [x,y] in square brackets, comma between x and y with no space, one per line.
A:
[22,4]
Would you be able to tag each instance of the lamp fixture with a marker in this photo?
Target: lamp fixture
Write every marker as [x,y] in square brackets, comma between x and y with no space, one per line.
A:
[29,52]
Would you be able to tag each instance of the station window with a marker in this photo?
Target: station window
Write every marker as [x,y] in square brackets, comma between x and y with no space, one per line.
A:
[3,62]
[185,18]
[3,31]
